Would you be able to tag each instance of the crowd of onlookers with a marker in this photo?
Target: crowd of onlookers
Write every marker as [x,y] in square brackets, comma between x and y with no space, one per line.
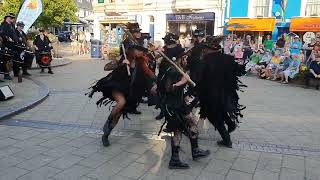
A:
[282,60]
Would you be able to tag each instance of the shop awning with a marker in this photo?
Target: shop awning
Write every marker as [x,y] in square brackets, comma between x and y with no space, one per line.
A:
[251,24]
[305,24]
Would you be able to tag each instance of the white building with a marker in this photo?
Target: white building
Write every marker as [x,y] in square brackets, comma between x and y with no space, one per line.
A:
[160,16]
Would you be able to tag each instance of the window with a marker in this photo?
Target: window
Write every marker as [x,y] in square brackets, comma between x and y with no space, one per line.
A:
[261,8]
[80,1]
[313,8]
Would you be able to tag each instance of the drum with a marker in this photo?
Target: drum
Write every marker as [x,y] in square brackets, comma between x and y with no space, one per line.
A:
[44,59]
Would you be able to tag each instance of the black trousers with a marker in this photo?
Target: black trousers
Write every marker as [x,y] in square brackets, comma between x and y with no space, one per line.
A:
[308,77]
[218,120]
[38,60]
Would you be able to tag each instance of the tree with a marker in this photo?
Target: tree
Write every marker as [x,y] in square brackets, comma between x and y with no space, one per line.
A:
[53,15]
[9,6]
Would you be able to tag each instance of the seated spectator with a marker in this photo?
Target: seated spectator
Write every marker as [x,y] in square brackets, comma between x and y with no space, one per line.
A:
[284,63]
[265,60]
[314,72]
[255,58]
[281,42]
[291,71]
[295,46]
[272,65]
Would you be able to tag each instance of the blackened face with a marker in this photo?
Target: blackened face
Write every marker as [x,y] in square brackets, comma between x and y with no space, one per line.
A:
[136,35]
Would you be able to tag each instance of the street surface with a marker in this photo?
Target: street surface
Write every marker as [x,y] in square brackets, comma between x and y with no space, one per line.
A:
[60,139]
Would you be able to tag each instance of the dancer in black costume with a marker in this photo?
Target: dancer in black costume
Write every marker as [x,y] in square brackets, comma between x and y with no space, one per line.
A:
[171,86]
[125,90]
[219,100]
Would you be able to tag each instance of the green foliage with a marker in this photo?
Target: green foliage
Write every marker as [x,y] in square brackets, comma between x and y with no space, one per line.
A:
[53,15]
[9,6]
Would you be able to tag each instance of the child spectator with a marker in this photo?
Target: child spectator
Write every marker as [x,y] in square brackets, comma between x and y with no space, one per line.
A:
[265,60]
[238,53]
[273,65]
[301,56]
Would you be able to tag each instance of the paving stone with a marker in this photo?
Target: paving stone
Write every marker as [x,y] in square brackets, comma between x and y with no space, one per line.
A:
[81,141]
[238,175]
[124,159]
[73,173]
[104,171]
[150,157]
[265,175]
[29,142]
[250,155]
[30,152]
[36,162]
[290,174]
[210,176]
[54,142]
[152,177]
[180,176]
[9,161]
[60,151]
[135,170]
[65,162]
[8,150]
[294,162]
[245,165]
[218,166]
[7,142]
[119,177]
[227,155]
[25,135]
[12,173]
[96,160]
[270,162]
[42,173]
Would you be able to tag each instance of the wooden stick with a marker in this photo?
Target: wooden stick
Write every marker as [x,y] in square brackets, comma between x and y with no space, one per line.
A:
[178,68]
[125,57]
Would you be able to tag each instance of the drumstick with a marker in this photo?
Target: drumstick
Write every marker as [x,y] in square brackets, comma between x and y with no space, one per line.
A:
[125,57]
[177,67]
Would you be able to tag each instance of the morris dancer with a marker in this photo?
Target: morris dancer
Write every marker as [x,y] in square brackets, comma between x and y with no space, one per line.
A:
[172,87]
[218,86]
[125,90]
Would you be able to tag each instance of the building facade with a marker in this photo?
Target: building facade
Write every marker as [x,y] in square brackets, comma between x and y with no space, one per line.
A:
[272,16]
[156,17]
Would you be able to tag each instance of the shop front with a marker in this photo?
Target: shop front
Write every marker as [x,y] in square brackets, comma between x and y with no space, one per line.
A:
[184,24]
[111,31]
[256,27]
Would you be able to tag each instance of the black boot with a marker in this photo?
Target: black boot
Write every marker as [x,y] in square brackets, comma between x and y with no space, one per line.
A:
[175,162]
[107,128]
[198,153]
[226,140]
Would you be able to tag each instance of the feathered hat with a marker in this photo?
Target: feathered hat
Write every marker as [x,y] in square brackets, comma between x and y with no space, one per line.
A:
[213,42]
[133,27]
[170,38]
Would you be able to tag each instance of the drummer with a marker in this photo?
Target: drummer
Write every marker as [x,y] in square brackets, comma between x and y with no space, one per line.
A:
[22,42]
[43,44]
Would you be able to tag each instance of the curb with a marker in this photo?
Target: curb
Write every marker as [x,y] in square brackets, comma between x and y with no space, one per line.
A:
[59,65]
[29,103]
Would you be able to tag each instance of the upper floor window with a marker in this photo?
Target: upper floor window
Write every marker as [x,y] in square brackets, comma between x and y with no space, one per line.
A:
[312,8]
[261,8]
[80,1]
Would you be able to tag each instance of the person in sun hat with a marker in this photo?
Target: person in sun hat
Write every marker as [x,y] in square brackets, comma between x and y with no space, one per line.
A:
[296,45]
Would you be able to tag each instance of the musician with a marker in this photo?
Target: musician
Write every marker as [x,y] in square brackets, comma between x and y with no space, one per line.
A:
[9,38]
[218,88]
[123,88]
[42,44]
[22,41]
[171,86]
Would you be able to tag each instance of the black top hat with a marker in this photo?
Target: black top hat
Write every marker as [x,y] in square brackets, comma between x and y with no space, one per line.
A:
[11,15]
[199,32]
[133,27]
[213,42]
[175,52]
[170,38]
[20,23]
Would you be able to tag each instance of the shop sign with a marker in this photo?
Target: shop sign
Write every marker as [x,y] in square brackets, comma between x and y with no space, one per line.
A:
[191,17]
[120,18]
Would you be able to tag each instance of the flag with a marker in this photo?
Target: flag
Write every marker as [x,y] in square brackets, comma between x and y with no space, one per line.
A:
[283,7]
[29,12]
